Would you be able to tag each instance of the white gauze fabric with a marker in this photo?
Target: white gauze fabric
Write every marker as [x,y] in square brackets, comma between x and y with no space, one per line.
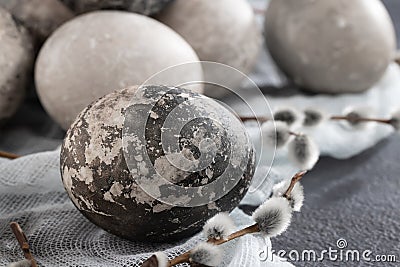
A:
[32,194]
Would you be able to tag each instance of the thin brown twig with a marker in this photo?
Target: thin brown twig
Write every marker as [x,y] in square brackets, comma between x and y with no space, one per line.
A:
[248,230]
[297,177]
[185,257]
[294,133]
[260,119]
[263,119]
[249,118]
[335,118]
[8,155]
[23,242]
[347,118]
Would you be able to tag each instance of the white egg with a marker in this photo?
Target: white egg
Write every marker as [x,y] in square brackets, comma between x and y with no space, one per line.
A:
[330,46]
[101,51]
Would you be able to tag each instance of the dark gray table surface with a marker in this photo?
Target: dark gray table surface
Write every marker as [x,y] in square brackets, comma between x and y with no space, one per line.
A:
[394,10]
[356,199]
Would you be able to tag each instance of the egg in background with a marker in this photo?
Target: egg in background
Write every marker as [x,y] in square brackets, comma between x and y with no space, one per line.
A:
[330,46]
[16,60]
[222,31]
[101,51]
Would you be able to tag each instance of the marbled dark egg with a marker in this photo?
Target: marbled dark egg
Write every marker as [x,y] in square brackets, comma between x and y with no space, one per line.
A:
[145,7]
[153,163]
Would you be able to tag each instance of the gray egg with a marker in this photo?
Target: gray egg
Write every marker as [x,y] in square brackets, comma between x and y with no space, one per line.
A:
[118,165]
[95,53]
[145,7]
[330,46]
[41,17]
[16,59]
[222,31]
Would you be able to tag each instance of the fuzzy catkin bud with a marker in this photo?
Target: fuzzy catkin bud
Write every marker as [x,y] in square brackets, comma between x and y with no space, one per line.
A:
[395,120]
[303,152]
[206,254]
[275,134]
[219,227]
[273,216]
[287,115]
[296,196]
[354,114]
[312,117]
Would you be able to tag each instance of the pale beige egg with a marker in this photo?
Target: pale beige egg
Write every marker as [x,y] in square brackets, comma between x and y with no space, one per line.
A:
[101,51]
[222,31]
[330,46]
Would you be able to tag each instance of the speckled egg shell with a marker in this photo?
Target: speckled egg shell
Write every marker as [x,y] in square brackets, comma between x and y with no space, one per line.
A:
[222,31]
[330,46]
[98,181]
[101,51]
[41,17]
[16,59]
[145,7]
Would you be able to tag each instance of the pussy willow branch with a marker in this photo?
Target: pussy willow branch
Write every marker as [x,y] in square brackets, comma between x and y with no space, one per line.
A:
[23,243]
[349,118]
[297,177]
[385,121]
[334,118]
[8,155]
[185,257]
